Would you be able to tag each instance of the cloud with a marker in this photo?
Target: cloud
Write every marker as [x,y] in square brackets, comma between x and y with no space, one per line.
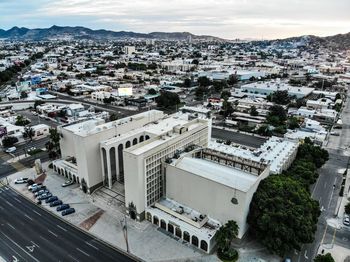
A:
[224,18]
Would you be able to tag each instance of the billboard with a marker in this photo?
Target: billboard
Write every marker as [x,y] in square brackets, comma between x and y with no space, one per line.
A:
[125,91]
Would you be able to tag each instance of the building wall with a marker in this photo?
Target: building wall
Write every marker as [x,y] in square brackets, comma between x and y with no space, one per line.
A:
[149,171]
[209,197]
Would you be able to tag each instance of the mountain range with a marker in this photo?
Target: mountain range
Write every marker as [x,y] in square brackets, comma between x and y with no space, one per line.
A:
[339,41]
[79,32]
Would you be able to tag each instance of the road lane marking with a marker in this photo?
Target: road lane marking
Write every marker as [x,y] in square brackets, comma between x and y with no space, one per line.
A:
[37,213]
[83,252]
[324,234]
[52,233]
[20,247]
[73,258]
[330,199]
[13,251]
[35,244]
[91,245]
[335,231]
[11,226]
[61,228]
[28,217]
[8,203]
[15,198]
[306,255]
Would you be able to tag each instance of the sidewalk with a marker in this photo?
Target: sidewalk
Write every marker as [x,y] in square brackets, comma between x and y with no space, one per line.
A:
[105,222]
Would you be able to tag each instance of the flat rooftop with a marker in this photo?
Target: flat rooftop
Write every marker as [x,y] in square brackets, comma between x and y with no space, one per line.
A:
[228,176]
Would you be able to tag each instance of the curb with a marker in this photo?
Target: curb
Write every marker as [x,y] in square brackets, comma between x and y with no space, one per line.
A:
[131,256]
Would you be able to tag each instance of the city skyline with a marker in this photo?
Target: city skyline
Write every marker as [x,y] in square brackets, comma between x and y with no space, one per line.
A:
[226,19]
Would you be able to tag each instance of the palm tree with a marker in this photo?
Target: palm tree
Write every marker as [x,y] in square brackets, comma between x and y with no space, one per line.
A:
[226,234]
[29,132]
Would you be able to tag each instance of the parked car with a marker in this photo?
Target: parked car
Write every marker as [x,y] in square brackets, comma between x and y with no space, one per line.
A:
[34,185]
[30,182]
[21,180]
[68,211]
[56,203]
[62,207]
[51,199]
[38,188]
[11,150]
[31,149]
[346,220]
[335,133]
[67,183]
[42,191]
[44,196]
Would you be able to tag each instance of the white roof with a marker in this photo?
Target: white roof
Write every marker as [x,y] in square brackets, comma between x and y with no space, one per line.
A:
[228,176]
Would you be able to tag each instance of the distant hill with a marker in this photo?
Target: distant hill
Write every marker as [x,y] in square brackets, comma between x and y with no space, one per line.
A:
[339,41]
[79,32]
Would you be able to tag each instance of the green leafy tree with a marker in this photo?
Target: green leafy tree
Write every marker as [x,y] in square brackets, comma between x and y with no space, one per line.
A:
[204,81]
[21,121]
[225,94]
[224,237]
[152,91]
[227,108]
[279,97]
[324,258]
[167,100]
[282,215]
[187,82]
[201,92]
[53,146]
[29,133]
[293,123]
[113,117]
[24,95]
[309,152]
[347,208]
[9,141]
[232,80]
[253,111]
[277,115]
[38,103]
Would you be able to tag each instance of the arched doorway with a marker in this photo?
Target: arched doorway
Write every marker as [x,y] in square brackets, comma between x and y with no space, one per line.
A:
[171,228]
[132,214]
[155,220]
[113,164]
[162,224]
[105,168]
[128,144]
[187,236]
[141,139]
[204,245]
[120,162]
[134,141]
[178,232]
[195,241]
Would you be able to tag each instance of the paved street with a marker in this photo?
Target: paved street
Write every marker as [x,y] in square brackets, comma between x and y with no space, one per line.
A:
[28,233]
[238,138]
[326,191]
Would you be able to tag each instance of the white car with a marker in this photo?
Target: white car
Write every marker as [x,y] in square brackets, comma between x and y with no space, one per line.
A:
[32,186]
[346,220]
[11,149]
[21,180]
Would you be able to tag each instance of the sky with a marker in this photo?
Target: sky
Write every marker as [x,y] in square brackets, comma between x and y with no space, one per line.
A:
[230,19]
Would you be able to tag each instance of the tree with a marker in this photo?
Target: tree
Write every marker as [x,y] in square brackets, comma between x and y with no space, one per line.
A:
[152,91]
[38,103]
[113,117]
[337,96]
[253,111]
[201,91]
[264,130]
[227,108]
[167,100]
[53,146]
[204,81]
[280,97]
[277,115]
[324,258]
[232,79]
[21,121]
[225,94]
[224,237]
[347,208]
[282,214]
[315,154]
[187,82]
[293,123]
[24,95]
[28,133]
[9,141]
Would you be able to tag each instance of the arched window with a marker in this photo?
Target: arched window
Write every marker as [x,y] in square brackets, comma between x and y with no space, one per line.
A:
[195,241]
[204,245]
[186,236]
[120,163]
[146,137]
[171,228]
[104,161]
[113,163]
[128,144]
[156,220]
[134,142]
[141,139]
[162,224]
[178,232]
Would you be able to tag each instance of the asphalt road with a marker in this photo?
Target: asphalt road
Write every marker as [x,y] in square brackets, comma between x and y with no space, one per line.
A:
[326,191]
[28,233]
[238,138]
